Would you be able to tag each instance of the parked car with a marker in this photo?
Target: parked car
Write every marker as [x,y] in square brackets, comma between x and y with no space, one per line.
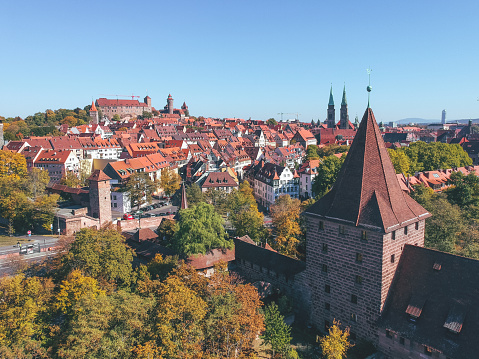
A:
[127,216]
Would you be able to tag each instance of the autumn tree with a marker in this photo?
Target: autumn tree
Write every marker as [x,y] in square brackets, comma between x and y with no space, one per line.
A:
[276,333]
[12,165]
[218,199]
[327,172]
[244,215]
[70,179]
[200,229]
[101,254]
[37,181]
[312,153]
[140,189]
[336,343]
[400,161]
[271,122]
[286,222]
[169,181]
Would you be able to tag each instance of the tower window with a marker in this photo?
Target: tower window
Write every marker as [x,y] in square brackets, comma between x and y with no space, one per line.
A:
[405,230]
[327,306]
[354,299]
[364,235]
[417,225]
[354,317]
[392,258]
[401,341]
[327,288]
[359,279]
[341,229]
[324,268]
[321,225]
[393,235]
[326,325]
[325,247]
[359,257]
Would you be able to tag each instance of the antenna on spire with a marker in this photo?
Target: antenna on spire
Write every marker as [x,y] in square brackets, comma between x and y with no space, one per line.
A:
[369,88]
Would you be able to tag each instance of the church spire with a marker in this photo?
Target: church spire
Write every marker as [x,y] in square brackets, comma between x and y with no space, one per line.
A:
[331,100]
[344,102]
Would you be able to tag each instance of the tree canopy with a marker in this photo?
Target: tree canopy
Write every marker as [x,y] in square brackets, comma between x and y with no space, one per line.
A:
[169,181]
[140,189]
[327,172]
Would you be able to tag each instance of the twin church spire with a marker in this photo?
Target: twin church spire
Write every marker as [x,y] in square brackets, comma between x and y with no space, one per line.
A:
[343,116]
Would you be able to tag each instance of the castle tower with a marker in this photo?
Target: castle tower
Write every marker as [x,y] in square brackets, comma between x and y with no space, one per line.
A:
[94,114]
[185,109]
[356,234]
[343,114]
[331,119]
[169,104]
[147,101]
[100,202]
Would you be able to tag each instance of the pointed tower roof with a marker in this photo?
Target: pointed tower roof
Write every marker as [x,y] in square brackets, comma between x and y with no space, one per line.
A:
[98,176]
[276,177]
[331,101]
[367,192]
[344,102]
[184,203]
[93,107]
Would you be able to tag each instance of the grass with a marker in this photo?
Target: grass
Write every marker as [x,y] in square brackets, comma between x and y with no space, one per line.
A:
[10,241]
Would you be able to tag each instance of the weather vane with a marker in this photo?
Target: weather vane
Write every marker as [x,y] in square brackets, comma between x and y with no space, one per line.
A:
[369,88]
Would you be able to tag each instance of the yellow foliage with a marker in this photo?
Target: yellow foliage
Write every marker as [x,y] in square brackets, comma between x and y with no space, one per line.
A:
[75,287]
[12,165]
[336,343]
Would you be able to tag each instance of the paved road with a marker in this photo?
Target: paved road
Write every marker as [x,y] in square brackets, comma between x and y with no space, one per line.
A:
[45,241]
[7,264]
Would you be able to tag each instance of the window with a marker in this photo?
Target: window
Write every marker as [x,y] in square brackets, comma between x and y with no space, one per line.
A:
[354,317]
[405,230]
[354,299]
[341,229]
[321,225]
[392,258]
[325,247]
[401,340]
[364,235]
[389,334]
[359,257]
[324,268]
[359,279]
[327,306]
[327,288]
[393,235]
[417,225]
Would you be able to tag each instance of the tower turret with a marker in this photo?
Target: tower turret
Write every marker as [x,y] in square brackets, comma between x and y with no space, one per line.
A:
[331,119]
[94,114]
[169,104]
[343,114]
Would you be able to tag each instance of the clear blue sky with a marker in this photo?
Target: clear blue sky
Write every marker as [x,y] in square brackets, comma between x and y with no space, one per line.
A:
[243,58]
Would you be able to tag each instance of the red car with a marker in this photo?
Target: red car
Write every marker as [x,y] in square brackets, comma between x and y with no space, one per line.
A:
[127,216]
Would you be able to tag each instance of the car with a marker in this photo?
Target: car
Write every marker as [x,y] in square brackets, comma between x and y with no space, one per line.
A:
[162,214]
[168,213]
[127,216]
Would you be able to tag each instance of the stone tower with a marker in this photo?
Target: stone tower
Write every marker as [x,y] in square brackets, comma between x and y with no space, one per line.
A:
[331,119]
[169,104]
[147,101]
[356,234]
[94,114]
[100,202]
[343,113]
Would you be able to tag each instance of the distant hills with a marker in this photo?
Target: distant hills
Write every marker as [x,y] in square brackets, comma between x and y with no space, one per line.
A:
[426,121]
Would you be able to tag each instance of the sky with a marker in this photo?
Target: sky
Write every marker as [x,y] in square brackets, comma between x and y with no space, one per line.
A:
[244,59]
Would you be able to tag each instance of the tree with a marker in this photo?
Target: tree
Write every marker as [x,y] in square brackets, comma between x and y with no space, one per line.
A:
[244,215]
[116,117]
[12,165]
[200,229]
[146,114]
[285,217]
[217,198]
[328,171]
[70,179]
[194,194]
[37,181]
[312,153]
[70,121]
[400,161]
[85,171]
[140,189]
[160,268]
[276,332]
[336,343]
[179,319]
[271,122]
[436,155]
[101,254]
[465,189]
[169,181]
[166,230]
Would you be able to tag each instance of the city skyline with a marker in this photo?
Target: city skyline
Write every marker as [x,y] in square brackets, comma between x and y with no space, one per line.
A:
[248,59]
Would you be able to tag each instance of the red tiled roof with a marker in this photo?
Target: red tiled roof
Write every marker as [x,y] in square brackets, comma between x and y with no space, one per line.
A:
[98,176]
[103,102]
[367,191]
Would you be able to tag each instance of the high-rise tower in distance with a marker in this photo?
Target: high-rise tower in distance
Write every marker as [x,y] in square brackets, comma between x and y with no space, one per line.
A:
[443,117]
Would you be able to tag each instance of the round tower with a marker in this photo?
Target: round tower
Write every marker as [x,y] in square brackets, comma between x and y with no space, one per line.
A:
[169,104]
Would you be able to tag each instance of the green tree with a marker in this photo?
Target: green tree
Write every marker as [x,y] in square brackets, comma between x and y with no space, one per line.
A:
[116,117]
[200,229]
[327,173]
[312,153]
[37,181]
[70,179]
[101,254]
[194,194]
[244,214]
[436,155]
[400,161]
[169,181]
[465,189]
[336,343]
[166,230]
[140,189]
[146,114]
[217,198]
[276,332]
[271,122]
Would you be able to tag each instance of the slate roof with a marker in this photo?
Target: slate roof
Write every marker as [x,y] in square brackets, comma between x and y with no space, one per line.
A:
[442,291]
[367,192]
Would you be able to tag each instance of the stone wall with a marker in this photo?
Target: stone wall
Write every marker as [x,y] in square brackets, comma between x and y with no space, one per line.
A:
[153,222]
[395,347]
[350,270]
